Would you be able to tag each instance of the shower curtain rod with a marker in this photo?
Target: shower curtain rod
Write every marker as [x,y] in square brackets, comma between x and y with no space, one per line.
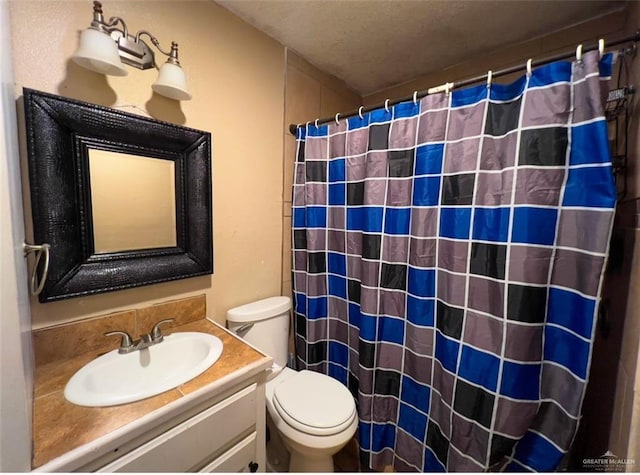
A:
[465,82]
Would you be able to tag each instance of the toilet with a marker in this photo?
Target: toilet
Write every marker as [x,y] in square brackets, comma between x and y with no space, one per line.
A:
[315,415]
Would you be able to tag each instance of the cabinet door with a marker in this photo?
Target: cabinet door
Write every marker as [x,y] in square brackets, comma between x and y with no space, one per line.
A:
[239,458]
[194,441]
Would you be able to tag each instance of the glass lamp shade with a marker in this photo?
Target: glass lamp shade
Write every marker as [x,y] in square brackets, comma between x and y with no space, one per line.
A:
[99,53]
[171,82]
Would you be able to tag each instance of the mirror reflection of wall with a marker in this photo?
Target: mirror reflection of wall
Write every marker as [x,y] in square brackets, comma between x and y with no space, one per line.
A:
[133,201]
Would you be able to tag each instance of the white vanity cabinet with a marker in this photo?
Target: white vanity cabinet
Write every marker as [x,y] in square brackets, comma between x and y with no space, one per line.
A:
[223,434]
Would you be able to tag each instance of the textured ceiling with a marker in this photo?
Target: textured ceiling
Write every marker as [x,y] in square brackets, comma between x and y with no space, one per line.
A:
[374,44]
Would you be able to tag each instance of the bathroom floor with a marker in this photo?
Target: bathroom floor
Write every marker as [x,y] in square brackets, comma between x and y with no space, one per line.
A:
[347,459]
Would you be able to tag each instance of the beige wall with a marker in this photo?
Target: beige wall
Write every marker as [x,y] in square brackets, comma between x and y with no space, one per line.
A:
[309,94]
[624,438]
[236,76]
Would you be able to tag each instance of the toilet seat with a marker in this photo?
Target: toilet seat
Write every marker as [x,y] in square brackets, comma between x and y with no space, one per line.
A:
[314,403]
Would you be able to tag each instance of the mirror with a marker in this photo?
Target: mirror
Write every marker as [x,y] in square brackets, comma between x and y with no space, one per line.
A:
[122,200]
[141,212]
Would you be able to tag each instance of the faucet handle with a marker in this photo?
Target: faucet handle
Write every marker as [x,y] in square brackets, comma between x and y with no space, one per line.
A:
[126,343]
[156,333]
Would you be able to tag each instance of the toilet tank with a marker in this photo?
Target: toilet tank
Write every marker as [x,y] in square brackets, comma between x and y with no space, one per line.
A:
[266,325]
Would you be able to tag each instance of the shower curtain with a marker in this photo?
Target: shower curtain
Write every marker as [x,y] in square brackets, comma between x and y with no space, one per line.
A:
[447,263]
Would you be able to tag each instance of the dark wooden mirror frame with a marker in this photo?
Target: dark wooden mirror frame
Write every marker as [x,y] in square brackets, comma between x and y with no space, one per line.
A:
[60,132]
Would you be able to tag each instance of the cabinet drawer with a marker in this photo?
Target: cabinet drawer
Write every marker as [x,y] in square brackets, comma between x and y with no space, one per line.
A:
[236,459]
[195,440]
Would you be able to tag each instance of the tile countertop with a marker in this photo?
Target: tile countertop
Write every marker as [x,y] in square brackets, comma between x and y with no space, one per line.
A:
[64,432]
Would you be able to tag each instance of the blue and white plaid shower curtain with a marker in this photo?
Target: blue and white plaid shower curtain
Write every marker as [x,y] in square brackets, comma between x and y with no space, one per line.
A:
[447,262]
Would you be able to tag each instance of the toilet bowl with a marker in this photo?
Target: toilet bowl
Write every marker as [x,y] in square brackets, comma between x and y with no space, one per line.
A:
[314,414]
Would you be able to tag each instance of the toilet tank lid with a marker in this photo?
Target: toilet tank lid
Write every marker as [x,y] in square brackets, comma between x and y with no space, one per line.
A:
[260,310]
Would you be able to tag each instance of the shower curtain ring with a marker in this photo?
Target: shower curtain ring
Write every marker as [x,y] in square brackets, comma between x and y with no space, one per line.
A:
[386,105]
[360,112]
[489,78]
[306,126]
[337,117]
[529,67]
[579,53]
[415,98]
[447,87]
[316,123]
[601,47]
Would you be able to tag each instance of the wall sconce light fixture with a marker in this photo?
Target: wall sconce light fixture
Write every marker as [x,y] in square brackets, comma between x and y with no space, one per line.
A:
[104,47]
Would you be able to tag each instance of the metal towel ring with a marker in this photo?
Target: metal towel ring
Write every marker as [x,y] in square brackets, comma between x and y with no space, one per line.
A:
[36,287]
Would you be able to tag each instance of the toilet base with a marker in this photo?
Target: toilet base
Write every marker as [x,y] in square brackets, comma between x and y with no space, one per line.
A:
[305,463]
[282,457]
[277,453]
[307,453]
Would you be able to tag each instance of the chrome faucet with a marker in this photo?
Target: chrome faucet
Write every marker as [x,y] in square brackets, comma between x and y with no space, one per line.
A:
[128,345]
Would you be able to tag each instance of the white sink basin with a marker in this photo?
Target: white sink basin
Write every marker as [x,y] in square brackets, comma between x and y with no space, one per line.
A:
[115,378]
